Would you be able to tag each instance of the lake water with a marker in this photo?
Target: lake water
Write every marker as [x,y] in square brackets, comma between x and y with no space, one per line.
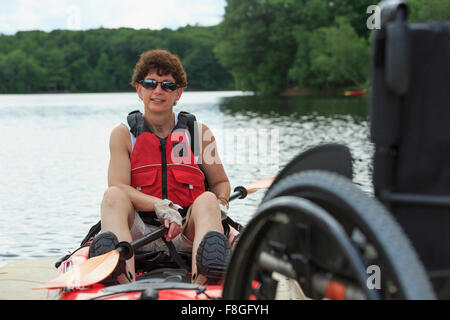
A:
[54,154]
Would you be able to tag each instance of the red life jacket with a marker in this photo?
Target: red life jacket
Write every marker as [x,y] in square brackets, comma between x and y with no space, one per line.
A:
[165,168]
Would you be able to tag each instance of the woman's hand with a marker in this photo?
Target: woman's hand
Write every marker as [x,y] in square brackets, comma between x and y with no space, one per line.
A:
[167,213]
[174,230]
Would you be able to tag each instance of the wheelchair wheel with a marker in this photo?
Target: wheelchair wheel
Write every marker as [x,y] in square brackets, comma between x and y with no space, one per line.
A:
[318,228]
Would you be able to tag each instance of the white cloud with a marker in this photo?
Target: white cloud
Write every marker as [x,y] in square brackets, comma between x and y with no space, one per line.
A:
[48,15]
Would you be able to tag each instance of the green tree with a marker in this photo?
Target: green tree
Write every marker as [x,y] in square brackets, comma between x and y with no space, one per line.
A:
[300,71]
[313,14]
[257,43]
[204,71]
[20,73]
[12,72]
[34,74]
[122,71]
[103,76]
[58,78]
[354,11]
[336,56]
[80,75]
[430,10]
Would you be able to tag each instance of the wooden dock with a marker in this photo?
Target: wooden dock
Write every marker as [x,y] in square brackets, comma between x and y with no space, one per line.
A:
[18,278]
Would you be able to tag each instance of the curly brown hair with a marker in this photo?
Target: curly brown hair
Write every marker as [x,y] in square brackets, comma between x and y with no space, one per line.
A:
[162,62]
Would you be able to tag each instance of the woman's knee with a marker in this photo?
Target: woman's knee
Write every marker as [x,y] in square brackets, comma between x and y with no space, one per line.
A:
[206,203]
[113,196]
[116,198]
[116,208]
[116,204]
[207,199]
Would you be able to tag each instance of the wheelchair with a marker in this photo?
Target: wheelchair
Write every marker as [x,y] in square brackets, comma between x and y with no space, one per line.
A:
[315,226]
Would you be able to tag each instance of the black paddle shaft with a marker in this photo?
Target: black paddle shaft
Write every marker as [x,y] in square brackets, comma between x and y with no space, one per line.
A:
[126,249]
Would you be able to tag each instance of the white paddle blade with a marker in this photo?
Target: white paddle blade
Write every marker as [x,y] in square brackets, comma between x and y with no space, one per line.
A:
[87,273]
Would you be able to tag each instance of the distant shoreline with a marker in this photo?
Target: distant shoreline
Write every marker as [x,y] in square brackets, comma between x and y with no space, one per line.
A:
[93,92]
[289,92]
[310,92]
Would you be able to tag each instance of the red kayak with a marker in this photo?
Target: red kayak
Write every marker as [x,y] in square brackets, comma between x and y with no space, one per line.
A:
[355,93]
[161,283]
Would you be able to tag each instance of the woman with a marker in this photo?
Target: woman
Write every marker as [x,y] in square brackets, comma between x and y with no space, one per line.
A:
[148,173]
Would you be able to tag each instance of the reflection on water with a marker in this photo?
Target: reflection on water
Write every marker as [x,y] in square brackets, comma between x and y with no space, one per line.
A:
[55,154]
[295,107]
[304,122]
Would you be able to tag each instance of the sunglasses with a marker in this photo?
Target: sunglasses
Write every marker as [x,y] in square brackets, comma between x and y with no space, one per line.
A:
[151,84]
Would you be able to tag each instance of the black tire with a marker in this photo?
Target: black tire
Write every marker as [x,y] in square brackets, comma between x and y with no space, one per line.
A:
[273,230]
[352,209]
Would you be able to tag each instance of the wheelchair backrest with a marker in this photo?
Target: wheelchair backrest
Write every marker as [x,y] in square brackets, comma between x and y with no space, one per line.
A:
[410,127]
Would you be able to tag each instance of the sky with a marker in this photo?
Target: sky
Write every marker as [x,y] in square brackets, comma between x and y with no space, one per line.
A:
[47,15]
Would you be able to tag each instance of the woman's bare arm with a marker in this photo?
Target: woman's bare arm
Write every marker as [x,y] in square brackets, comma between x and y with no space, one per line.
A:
[211,164]
[119,170]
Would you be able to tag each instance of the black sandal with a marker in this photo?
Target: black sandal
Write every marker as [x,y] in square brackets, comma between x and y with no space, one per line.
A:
[104,243]
[213,255]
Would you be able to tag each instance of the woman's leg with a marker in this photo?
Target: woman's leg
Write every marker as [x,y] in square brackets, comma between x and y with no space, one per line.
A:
[117,216]
[204,216]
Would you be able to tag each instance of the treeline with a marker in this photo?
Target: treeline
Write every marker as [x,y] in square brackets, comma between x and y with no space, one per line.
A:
[265,46]
[102,60]
[271,45]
